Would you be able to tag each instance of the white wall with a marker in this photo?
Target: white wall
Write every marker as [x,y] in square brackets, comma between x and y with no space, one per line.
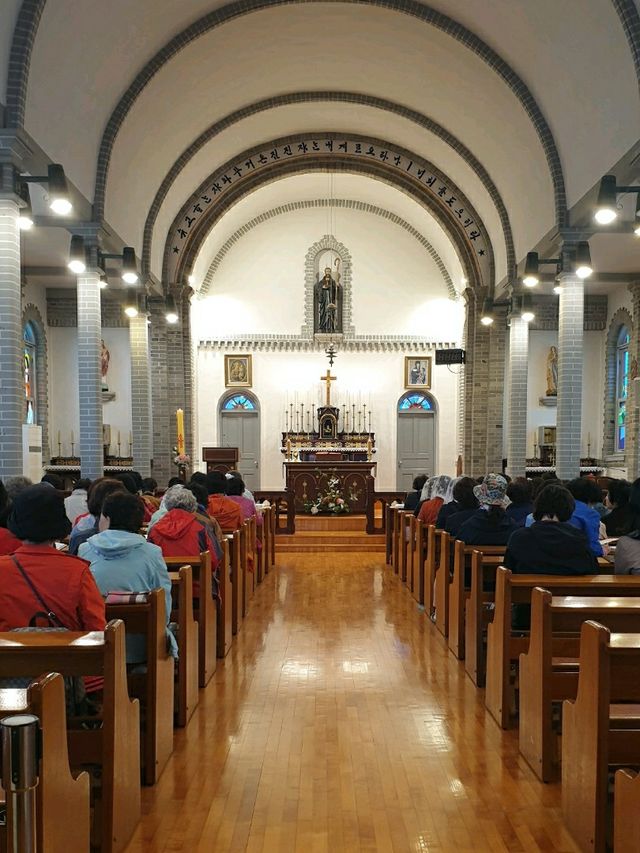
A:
[396,289]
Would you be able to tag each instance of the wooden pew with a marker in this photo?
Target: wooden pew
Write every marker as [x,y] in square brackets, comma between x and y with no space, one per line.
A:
[442,583]
[62,797]
[626,806]
[154,689]
[396,555]
[411,533]
[485,561]
[428,564]
[597,736]
[460,590]
[251,561]
[234,543]
[504,646]
[418,558]
[405,546]
[186,694]
[205,611]
[225,603]
[115,745]
[274,520]
[388,534]
[549,669]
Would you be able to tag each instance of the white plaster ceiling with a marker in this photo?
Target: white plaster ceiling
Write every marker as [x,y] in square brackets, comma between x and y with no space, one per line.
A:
[325,186]
[87,53]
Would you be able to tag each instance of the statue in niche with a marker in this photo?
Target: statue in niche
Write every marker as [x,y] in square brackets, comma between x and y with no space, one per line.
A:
[552,372]
[328,302]
[105,358]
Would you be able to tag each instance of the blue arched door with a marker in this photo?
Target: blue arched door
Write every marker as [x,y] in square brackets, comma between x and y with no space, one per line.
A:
[240,427]
[416,441]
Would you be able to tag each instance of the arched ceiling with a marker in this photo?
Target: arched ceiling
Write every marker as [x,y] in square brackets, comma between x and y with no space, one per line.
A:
[513,82]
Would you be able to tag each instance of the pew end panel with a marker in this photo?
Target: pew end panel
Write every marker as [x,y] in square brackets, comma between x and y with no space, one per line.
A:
[186,696]
[626,822]
[225,604]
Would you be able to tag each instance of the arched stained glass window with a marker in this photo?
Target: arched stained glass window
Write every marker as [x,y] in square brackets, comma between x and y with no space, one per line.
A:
[622,387]
[237,403]
[29,373]
[415,403]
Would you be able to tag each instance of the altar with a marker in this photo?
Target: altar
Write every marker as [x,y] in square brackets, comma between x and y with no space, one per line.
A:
[312,480]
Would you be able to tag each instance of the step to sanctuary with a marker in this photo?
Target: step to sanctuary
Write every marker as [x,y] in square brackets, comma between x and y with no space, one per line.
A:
[331,534]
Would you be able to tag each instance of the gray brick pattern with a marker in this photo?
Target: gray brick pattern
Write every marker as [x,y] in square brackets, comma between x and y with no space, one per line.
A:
[331,97]
[24,36]
[31,315]
[89,374]
[547,307]
[518,376]
[62,309]
[630,20]
[495,393]
[476,383]
[348,204]
[620,318]
[160,425]
[11,388]
[140,394]
[421,12]
[188,374]
[632,455]
[570,357]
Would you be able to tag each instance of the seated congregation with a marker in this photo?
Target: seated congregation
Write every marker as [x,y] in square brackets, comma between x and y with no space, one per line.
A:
[152,586]
[534,585]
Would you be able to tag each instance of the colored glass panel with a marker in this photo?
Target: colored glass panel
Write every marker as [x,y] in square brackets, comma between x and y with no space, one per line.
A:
[415,403]
[239,403]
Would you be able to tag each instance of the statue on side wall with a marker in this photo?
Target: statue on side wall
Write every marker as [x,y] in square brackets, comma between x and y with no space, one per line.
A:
[552,372]
[328,302]
[105,358]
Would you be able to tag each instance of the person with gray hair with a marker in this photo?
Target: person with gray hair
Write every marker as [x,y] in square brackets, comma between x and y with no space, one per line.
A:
[180,533]
[15,485]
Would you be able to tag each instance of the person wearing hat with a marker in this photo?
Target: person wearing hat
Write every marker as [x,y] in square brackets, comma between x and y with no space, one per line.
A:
[38,579]
[489,524]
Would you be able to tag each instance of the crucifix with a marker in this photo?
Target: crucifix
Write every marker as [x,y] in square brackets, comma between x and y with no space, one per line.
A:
[328,379]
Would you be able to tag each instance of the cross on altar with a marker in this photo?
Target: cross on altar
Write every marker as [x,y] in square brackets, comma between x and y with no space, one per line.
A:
[328,379]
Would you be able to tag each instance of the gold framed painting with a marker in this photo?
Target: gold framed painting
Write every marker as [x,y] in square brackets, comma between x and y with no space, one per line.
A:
[417,372]
[238,371]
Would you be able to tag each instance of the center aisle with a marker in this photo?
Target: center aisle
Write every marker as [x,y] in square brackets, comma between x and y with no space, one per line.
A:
[339,722]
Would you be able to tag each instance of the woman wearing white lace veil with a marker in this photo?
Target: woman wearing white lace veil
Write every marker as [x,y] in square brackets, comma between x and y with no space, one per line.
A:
[438,491]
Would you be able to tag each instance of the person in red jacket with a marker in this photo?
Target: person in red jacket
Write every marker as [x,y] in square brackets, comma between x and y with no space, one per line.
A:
[8,542]
[227,513]
[38,577]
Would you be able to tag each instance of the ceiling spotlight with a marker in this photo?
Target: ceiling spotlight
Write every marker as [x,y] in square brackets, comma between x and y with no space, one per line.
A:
[77,255]
[606,205]
[129,266]
[487,316]
[59,201]
[557,289]
[104,282]
[131,307]
[172,312]
[25,215]
[531,268]
[526,310]
[583,260]
[636,230]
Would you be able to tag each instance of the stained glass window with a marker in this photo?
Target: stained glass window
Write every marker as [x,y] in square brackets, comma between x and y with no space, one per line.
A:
[415,403]
[29,374]
[239,403]
[622,387]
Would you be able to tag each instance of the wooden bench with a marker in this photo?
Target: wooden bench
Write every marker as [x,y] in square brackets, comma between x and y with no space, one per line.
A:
[549,669]
[460,590]
[388,534]
[504,646]
[626,805]
[234,543]
[115,745]
[442,582]
[62,797]
[428,565]
[225,603]
[186,694]
[601,729]
[154,688]
[205,611]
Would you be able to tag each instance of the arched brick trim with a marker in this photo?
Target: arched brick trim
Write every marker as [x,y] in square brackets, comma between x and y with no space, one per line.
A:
[321,202]
[621,318]
[630,20]
[174,270]
[31,315]
[24,36]
[331,97]
[417,10]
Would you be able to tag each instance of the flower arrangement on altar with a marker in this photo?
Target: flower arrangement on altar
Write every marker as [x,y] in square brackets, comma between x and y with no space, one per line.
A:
[181,459]
[329,500]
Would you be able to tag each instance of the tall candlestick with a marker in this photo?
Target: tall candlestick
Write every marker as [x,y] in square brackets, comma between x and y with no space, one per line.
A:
[353,417]
[291,416]
[308,423]
[297,420]
[359,420]
[180,431]
[347,422]
[369,421]
[286,421]
[72,438]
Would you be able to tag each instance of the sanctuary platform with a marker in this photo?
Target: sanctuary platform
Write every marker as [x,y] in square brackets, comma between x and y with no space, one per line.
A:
[330,534]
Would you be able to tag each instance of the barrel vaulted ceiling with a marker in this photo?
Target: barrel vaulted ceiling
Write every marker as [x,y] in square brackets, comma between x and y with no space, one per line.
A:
[522,105]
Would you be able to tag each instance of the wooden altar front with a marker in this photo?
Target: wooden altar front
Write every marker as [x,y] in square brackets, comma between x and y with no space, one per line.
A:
[308,480]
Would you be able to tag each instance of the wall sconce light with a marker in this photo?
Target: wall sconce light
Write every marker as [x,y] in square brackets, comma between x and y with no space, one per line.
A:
[59,199]
[77,255]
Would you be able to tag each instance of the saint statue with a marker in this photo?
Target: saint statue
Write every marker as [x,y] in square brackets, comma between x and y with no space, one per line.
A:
[552,372]
[328,317]
[105,358]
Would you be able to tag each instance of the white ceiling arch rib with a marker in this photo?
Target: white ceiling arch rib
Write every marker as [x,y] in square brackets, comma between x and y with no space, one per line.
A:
[185,238]
[313,97]
[348,204]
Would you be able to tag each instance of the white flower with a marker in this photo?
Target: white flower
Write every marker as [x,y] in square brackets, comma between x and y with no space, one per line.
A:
[314,510]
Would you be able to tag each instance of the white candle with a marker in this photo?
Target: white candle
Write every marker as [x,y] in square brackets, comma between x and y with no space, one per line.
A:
[72,440]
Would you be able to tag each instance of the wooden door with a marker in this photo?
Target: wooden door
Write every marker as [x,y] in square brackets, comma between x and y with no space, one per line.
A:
[416,447]
[241,429]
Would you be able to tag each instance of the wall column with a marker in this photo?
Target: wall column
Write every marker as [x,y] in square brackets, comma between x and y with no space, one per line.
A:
[160,422]
[495,392]
[140,393]
[11,389]
[570,357]
[89,373]
[632,448]
[518,376]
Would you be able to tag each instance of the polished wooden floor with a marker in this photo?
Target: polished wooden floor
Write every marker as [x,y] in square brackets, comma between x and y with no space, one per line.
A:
[339,722]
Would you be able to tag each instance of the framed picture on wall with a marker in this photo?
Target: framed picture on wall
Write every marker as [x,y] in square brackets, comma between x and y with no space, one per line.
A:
[237,371]
[417,372]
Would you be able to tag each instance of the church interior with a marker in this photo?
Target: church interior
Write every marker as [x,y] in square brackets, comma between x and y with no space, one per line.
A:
[319,426]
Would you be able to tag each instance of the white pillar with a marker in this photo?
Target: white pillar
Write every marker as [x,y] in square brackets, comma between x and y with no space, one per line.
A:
[90,374]
[570,355]
[11,389]
[518,375]
[140,393]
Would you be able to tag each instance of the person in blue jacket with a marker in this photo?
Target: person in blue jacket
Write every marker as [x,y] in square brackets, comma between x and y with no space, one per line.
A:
[586,493]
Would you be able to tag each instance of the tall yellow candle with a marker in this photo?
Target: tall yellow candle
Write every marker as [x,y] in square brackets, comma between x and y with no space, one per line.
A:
[180,425]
